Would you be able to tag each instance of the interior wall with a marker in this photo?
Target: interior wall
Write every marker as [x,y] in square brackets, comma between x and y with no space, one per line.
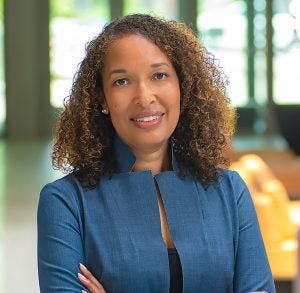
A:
[27,68]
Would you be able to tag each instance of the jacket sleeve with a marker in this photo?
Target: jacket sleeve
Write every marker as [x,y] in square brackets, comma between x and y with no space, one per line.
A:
[252,271]
[60,248]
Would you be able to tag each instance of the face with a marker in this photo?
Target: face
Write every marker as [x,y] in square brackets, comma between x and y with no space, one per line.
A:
[141,91]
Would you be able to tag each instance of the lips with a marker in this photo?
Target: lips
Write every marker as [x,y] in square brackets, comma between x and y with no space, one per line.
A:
[149,119]
[147,116]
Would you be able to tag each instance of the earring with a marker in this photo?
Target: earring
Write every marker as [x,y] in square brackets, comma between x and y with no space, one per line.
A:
[104,111]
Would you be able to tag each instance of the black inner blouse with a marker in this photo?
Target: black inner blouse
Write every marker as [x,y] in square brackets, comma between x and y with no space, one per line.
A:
[176,278]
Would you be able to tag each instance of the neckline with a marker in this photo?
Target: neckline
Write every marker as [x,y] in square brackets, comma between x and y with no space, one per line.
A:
[172,250]
[126,159]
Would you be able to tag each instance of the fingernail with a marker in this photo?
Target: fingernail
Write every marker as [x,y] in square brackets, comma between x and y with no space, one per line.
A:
[82,266]
[80,276]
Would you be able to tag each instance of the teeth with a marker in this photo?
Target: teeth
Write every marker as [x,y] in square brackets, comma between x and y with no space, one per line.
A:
[146,119]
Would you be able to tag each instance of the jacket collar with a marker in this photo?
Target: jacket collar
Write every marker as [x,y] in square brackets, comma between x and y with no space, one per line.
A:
[126,159]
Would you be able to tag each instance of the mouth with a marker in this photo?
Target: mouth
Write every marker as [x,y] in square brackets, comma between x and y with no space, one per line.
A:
[147,120]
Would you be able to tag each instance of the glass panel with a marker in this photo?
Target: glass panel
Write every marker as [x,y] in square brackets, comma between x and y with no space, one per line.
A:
[223,30]
[286,23]
[260,60]
[2,160]
[72,24]
[2,204]
[166,8]
[2,78]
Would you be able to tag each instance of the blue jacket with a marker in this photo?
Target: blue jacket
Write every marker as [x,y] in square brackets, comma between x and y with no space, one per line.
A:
[114,230]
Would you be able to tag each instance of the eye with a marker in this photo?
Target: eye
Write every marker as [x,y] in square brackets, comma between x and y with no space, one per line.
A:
[120,82]
[160,75]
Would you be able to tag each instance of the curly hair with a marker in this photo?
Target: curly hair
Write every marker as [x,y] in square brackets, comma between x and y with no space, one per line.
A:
[83,137]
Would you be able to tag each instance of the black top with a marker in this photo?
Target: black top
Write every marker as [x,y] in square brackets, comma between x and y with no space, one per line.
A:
[176,279]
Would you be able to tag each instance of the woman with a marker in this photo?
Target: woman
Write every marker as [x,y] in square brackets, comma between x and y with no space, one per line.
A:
[146,206]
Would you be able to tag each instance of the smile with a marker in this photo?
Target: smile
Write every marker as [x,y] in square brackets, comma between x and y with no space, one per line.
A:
[147,119]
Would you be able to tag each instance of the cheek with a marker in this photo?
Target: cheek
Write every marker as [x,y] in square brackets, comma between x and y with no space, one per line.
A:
[117,102]
[176,100]
[114,105]
[118,111]
[176,94]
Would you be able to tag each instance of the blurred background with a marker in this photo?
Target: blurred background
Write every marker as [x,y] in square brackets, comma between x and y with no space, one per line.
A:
[258,45]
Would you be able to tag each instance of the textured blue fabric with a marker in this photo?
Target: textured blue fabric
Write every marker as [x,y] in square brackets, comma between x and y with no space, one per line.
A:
[114,230]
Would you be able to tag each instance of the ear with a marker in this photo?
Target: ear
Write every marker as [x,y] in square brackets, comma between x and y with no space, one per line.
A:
[104,107]
[103,103]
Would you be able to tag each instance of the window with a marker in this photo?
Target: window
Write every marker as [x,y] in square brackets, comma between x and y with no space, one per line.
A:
[286,41]
[259,54]
[72,24]
[2,78]
[165,8]
[222,26]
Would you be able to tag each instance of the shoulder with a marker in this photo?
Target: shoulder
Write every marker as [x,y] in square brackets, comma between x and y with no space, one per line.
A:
[61,194]
[67,183]
[232,188]
[231,180]
[235,190]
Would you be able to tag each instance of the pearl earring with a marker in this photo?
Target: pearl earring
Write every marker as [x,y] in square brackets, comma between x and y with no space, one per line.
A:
[104,111]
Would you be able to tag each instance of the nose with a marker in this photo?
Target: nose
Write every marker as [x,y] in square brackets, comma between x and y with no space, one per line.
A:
[144,96]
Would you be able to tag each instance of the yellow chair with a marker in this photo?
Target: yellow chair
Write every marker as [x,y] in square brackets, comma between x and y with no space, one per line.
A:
[276,219]
[280,237]
[268,183]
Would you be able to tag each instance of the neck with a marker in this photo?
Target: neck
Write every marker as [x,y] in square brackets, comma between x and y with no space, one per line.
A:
[156,160]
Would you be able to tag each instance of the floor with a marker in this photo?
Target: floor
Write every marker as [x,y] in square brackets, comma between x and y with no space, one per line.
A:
[24,168]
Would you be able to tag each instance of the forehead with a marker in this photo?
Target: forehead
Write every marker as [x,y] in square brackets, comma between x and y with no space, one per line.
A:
[133,47]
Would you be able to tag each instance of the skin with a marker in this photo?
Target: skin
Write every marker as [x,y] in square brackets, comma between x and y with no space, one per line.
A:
[142,96]
[140,81]
[89,281]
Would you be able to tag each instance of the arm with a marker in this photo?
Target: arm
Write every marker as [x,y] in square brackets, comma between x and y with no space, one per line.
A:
[60,248]
[252,271]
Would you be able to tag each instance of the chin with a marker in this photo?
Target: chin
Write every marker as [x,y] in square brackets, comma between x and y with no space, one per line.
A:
[148,142]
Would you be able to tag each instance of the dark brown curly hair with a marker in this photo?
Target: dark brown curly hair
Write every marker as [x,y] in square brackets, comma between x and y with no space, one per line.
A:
[83,137]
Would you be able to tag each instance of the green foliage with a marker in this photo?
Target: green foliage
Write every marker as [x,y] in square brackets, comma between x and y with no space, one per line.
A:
[65,8]
[76,9]
[1,10]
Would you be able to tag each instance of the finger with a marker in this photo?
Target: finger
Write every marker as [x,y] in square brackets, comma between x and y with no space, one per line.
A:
[88,275]
[89,284]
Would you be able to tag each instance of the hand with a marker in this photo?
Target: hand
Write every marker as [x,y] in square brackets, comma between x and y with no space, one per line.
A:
[89,281]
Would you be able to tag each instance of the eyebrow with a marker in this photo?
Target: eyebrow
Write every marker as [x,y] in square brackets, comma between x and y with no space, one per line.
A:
[119,70]
[160,64]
